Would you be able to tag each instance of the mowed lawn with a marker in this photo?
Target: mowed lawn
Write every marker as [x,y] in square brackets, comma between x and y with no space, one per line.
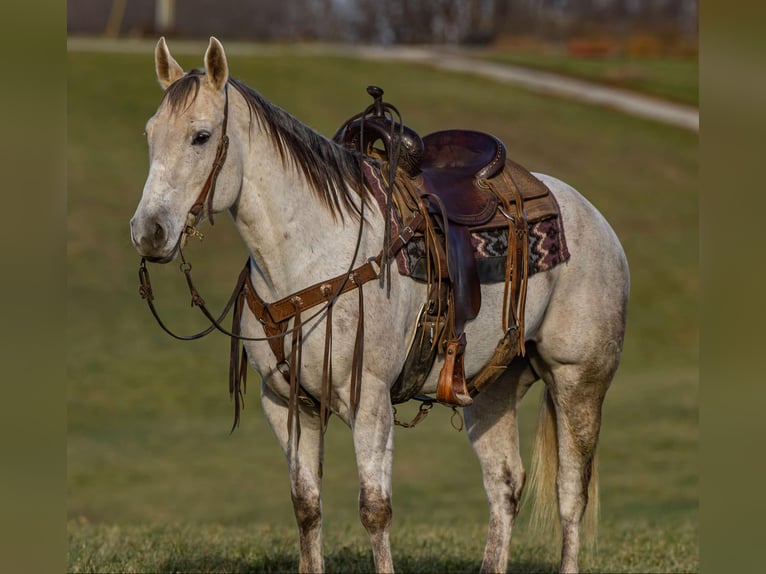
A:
[155,481]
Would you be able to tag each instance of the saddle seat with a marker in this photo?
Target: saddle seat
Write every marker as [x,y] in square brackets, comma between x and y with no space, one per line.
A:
[453,166]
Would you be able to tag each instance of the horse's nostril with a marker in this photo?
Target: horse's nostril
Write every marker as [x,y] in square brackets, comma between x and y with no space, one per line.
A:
[159,233]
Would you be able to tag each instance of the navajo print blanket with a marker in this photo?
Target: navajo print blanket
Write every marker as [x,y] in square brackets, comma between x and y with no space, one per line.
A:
[547,248]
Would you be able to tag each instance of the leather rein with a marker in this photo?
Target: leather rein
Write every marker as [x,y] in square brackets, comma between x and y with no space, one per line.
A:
[274,317]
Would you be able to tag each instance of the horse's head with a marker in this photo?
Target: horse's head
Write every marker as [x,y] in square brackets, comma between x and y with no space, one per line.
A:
[189,173]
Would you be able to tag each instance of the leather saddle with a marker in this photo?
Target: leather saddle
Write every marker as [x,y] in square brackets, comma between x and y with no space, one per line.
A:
[467,183]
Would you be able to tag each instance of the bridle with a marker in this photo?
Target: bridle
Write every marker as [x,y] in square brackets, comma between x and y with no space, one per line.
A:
[204,200]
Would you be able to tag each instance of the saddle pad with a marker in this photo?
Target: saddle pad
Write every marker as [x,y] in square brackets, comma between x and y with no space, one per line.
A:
[547,249]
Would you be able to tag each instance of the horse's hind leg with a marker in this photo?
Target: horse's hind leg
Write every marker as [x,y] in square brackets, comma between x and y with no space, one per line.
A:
[576,393]
[305,468]
[492,427]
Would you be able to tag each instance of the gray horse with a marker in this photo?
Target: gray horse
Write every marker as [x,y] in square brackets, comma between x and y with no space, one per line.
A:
[290,194]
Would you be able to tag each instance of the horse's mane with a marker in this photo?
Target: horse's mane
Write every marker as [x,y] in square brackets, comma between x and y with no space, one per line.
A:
[330,169]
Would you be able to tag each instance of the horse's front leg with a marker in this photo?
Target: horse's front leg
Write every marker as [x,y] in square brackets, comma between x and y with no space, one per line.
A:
[373,430]
[305,467]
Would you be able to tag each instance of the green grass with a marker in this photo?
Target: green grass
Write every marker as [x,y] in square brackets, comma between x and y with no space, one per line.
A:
[673,78]
[232,549]
[156,483]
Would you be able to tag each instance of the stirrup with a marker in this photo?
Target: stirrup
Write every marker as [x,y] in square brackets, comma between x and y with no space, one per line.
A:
[452,388]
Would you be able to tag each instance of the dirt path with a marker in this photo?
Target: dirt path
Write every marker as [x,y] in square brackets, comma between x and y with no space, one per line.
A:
[544,82]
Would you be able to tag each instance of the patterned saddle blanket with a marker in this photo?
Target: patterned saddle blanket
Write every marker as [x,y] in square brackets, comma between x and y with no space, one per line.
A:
[547,248]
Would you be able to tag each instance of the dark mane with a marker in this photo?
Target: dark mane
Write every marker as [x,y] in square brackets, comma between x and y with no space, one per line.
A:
[329,168]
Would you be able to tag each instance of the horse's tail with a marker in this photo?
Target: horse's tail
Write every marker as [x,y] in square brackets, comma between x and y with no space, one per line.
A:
[544,520]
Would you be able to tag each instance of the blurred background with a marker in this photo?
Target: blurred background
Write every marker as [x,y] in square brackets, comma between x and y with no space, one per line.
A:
[598,27]
[156,483]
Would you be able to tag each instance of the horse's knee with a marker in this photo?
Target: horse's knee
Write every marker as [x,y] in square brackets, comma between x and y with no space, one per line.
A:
[308,509]
[374,510]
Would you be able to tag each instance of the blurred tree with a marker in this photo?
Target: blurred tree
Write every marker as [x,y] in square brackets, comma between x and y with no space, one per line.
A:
[377,21]
[557,18]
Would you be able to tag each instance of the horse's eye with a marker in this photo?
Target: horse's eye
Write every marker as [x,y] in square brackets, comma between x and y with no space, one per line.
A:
[201,137]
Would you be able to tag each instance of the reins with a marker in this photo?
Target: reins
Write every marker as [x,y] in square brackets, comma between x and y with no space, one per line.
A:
[146,292]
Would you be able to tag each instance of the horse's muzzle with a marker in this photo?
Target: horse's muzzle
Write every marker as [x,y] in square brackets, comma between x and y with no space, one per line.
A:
[150,239]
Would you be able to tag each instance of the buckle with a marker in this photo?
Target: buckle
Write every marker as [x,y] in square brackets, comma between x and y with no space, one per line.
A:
[406,234]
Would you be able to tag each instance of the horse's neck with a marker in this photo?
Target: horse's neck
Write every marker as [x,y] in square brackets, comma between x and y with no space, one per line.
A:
[293,238]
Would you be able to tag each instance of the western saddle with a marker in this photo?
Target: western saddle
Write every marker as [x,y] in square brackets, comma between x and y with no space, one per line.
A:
[441,188]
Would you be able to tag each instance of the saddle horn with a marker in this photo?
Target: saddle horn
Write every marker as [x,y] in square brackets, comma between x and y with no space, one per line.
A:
[402,144]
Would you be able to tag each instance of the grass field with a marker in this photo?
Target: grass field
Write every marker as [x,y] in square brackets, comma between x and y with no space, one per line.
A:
[673,78]
[155,481]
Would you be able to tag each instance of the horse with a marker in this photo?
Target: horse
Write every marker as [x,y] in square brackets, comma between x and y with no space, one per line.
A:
[296,199]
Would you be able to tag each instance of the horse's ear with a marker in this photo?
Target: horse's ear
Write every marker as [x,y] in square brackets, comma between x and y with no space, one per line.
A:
[216,68]
[168,70]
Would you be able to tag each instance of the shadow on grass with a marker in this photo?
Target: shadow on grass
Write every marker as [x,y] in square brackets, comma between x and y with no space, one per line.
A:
[345,560]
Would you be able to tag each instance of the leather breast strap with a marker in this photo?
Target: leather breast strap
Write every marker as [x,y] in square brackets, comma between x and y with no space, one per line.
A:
[275,316]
